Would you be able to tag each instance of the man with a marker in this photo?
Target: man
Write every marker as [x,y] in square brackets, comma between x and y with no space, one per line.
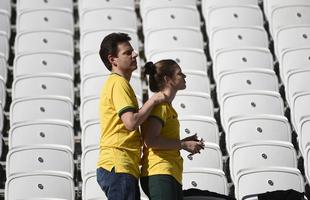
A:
[120,117]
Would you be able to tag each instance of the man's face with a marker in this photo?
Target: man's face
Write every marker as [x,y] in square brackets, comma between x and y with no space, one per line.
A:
[126,57]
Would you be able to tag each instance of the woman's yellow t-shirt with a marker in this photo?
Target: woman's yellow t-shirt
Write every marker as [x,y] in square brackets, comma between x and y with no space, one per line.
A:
[156,161]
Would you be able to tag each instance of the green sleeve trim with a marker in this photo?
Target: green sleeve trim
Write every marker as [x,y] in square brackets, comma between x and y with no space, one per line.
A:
[159,119]
[126,109]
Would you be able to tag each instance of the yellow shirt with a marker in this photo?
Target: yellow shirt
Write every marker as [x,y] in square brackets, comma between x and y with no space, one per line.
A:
[170,162]
[119,147]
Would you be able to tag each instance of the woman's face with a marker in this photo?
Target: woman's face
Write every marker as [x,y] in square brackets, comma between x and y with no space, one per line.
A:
[178,79]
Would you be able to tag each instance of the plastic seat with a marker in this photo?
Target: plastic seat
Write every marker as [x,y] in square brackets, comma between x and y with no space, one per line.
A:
[44,20]
[5,6]
[197,81]
[1,118]
[40,158]
[5,23]
[261,154]
[4,47]
[174,38]
[204,127]
[252,102]
[237,37]
[43,63]
[23,5]
[3,68]
[209,157]
[261,180]
[43,107]
[91,40]
[110,18]
[237,15]
[146,5]
[188,59]
[42,132]
[90,134]
[291,37]
[92,84]
[91,189]
[289,15]
[297,82]
[43,84]
[246,79]
[171,17]
[85,5]
[40,185]
[89,160]
[196,178]
[89,110]
[44,41]
[306,162]
[304,137]
[91,63]
[193,103]
[241,58]
[300,108]
[2,92]
[257,128]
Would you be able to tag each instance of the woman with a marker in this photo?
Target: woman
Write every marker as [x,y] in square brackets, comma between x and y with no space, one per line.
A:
[162,165]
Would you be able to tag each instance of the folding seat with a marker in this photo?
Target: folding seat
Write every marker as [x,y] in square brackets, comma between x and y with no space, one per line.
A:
[89,110]
[241,58]
[307,162]
[171,17]
[246,79]
[91,40]
[91,189]
[3,68]
[252,102]
[43,84]
[44,41]
[4,45]
[261,154]
[43,63]
[188,59]
[205,127]
[43,107]
[110,18]
[2,92]
[288,15]
[44,20]
[92,84]
[196,178]
[297,81]
[5,6]
[193,103]
[89,160]
[5,23]
[145,5]
[85,5]
[91,63]
[290,37]
[40,185]
[197,81]
[39,158]
[237,37]
[270,5]
[45,132]
[257,128]
[90,134]
[23,5]
[260,180]
[293,58]
[300,108]
[174,38]
[304,136]
[207,5]
[209,157]
[238,15]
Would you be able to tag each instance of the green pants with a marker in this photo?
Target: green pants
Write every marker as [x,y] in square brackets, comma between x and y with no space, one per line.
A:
[161,187]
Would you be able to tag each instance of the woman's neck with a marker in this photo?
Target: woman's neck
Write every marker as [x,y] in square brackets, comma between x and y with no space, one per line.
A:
[170,93]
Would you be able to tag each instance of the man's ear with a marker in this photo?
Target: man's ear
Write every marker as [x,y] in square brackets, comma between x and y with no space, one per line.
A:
[111,60]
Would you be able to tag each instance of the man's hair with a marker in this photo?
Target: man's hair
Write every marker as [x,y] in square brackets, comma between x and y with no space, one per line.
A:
[109,47]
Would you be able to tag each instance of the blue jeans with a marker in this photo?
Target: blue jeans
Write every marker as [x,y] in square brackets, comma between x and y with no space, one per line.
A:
[118,186]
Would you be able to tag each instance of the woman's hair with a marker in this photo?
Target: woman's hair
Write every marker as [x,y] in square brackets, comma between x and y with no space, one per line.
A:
[158,71]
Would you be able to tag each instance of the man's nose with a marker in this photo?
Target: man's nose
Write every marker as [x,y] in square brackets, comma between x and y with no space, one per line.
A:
[134,54]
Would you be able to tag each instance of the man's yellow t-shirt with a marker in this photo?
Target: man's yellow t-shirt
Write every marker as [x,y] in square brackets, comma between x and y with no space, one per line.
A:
[119,148]
[156,161]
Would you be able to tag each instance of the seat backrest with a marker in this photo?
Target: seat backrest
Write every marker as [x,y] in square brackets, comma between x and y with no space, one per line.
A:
[91,188]
[89,161]
[22,5]
[90,134]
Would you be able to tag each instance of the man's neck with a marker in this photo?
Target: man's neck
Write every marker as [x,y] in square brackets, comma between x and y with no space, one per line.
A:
[126,75]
